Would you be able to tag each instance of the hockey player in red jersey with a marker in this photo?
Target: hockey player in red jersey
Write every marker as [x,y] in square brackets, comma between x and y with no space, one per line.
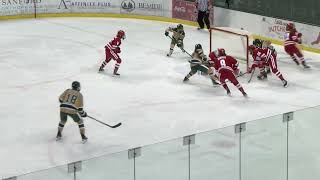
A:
[291,38]
[263,57]
[112,49]
[227,68]
[257,62]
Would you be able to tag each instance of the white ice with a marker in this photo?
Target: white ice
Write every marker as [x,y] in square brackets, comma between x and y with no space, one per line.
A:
[40,58]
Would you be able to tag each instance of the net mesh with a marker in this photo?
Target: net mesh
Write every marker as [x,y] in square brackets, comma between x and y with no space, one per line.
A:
[235,43]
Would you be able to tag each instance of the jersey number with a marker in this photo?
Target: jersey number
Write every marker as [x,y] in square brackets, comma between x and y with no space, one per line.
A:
[72,98]
[222,63]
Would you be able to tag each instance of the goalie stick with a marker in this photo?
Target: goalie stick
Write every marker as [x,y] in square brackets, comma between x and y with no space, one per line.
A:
[180,47]
[115,126]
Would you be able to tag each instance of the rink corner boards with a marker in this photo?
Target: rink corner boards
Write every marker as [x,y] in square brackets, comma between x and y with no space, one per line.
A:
[142,17]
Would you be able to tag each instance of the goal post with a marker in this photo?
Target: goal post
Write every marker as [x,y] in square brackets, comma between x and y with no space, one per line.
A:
[234,41]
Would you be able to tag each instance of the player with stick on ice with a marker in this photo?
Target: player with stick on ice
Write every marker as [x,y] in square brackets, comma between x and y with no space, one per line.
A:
[177,37]
[71,104]
[227,68]
[262,57]
[200,63]
[112,49]
[292,38]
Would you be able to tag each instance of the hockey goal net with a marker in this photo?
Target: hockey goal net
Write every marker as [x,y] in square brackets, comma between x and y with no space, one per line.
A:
[234,41]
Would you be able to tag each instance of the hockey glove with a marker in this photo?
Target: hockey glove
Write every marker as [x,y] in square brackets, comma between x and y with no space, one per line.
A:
[166,33]
[84,114]
[117,50]
[237,72]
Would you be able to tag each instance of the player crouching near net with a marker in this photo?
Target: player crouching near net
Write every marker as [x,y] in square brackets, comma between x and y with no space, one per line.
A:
[265,57]
[200,63]
[112,49]
[263,44]
[227,68]
[177,38]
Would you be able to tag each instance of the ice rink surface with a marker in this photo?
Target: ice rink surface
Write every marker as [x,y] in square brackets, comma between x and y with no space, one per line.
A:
[40,58]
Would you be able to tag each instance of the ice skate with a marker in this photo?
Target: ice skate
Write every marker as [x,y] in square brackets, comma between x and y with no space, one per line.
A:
[245,95]
[100,69]
[229,93]
[59,136]
[285,83]
[115,72]
[304,64]
[84,139]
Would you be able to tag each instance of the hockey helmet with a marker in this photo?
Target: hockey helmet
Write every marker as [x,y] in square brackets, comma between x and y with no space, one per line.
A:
[121,34]
[257,43]
[198,46]
[290,26]
[221,52]
[76,85]
[180,27]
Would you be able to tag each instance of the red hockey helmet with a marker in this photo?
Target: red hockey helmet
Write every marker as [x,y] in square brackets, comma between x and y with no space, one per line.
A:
[221,52]
[290,26]
[121,34]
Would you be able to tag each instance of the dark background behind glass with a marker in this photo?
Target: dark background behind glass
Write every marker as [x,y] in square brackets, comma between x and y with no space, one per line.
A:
[304,11]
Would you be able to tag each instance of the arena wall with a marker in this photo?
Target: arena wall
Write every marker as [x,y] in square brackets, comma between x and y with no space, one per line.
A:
[266,27]
[176,11]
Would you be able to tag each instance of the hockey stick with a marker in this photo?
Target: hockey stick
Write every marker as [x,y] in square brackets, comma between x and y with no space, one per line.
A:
[180,47]
[242,74]
[115,126]
[251,75]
